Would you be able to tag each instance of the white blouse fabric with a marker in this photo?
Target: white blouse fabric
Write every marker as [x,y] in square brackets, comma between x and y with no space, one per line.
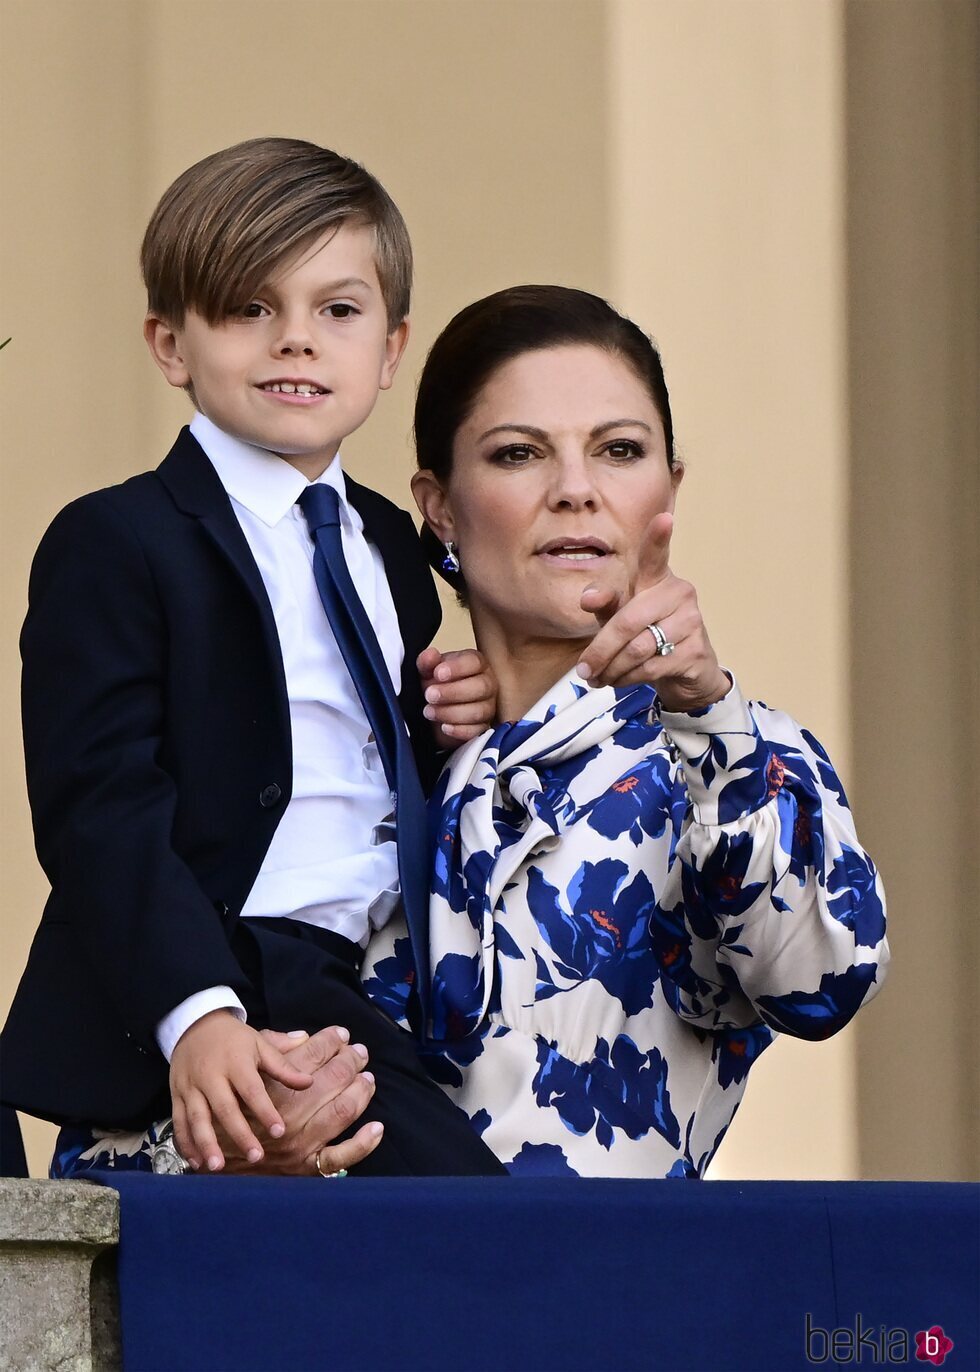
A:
[627,906]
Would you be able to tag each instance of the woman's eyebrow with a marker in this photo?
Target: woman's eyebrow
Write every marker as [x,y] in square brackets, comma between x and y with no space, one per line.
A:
[543,435]
[600,429]
[515,428]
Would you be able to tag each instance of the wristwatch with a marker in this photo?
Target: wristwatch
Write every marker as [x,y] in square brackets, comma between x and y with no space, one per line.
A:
[164,1157]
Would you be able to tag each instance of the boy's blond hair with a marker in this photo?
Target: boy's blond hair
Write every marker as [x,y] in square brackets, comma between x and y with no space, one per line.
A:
[227,223]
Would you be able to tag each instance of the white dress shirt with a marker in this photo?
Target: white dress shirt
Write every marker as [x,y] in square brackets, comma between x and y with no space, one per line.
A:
[332,861]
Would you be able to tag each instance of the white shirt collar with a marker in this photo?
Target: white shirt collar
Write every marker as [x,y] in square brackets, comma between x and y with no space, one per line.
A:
[262,481]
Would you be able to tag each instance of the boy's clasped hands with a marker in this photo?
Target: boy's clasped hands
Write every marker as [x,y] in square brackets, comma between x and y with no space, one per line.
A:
[222,1069]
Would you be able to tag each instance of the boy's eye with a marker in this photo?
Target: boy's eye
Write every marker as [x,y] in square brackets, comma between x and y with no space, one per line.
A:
[253,310]
[341,310]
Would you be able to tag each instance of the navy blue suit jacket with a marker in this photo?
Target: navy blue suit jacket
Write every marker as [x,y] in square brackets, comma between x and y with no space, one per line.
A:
[157,740]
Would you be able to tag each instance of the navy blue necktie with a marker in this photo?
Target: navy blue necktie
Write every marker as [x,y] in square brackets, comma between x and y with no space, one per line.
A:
[361,651]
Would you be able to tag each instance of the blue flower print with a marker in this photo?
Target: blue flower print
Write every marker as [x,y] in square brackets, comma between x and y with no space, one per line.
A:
[694,1168]
[762,774]
[638,803]
[481,1121]
[393,982]
[449,881]
[831,781]
[853,898]
[619,1089]
[457,996]
[605,937]
[733,1051]
[818,1014]
[634,707]
[444,1063]
[540,1160]
[800,838]
[671,940]
[719,889]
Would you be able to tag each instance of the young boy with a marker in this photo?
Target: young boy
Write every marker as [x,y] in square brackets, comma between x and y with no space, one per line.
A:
[211,657]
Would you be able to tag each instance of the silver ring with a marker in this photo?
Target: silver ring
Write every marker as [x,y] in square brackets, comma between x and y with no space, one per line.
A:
[329,1176]
[664,645]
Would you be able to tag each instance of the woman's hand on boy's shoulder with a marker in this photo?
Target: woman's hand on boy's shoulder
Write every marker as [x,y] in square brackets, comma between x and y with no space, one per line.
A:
[460,694]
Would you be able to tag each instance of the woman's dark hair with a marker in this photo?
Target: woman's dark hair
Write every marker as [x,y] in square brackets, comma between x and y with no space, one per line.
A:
[493,331]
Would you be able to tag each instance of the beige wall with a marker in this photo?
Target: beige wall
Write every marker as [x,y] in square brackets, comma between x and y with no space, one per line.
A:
[687,157]
[728,243]
[912,253]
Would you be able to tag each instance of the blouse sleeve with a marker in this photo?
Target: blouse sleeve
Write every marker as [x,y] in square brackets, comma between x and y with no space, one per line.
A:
[771,909]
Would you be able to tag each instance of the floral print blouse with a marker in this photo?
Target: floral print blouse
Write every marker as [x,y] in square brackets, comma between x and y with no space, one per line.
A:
[628,905]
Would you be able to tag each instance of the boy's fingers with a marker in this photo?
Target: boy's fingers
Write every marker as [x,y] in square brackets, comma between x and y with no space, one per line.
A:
[459,664]
[201,1129]
[274,1065]
[461,691]
[256,1099]
[226,1110]
[462,733]
[182,1135]
[480,712]
[335,1156]
[427,661]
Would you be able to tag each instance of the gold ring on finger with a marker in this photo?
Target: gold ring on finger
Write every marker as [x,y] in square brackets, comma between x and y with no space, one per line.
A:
[329,1176]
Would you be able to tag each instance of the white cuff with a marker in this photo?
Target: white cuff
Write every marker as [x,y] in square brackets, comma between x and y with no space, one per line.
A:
[192,1009]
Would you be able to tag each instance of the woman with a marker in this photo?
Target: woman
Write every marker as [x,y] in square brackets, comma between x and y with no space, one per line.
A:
[639,877]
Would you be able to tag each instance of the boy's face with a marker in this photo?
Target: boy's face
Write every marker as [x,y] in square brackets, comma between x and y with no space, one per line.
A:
[301,366]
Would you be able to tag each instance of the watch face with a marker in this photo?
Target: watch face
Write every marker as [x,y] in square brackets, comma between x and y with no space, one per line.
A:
[167,1161]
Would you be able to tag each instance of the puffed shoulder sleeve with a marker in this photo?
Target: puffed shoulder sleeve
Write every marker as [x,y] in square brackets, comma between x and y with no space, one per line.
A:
[771,909]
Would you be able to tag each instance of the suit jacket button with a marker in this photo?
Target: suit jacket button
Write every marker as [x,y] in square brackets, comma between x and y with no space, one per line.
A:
[270,795]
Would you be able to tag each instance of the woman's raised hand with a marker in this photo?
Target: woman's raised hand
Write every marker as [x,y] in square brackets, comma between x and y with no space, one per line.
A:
[626,651]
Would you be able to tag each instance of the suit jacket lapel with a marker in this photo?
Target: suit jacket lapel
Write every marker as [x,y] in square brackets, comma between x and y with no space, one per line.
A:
[196,490]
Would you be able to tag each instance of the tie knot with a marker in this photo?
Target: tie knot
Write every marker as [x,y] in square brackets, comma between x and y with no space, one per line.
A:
[320,504]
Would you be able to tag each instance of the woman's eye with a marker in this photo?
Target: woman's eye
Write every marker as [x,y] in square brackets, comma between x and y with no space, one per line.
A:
[339,310]
[624,449]
[514,455]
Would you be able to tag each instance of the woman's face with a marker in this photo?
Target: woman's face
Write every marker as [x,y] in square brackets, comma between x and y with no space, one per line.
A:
[556,475]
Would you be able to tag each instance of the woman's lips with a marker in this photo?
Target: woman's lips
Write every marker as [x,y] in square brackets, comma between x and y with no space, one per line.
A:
[571,552]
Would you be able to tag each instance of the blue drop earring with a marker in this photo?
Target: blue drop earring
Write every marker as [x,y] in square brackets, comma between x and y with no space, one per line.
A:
[450,563]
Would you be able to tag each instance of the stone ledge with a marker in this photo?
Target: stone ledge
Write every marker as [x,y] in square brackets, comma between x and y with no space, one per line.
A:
[57,1212]
[58,1295]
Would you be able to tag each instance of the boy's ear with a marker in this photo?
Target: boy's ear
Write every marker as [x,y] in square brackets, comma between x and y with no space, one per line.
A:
[434,505]
[394,347]
[164,345]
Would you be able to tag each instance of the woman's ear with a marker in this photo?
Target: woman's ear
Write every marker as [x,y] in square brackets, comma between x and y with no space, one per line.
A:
[433,502]
[676,477]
